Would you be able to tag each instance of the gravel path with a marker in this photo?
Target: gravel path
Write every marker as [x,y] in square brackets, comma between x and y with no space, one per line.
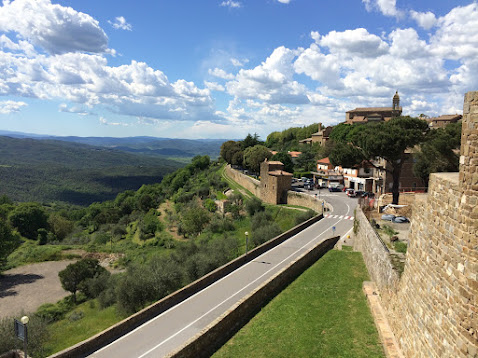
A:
[27,287]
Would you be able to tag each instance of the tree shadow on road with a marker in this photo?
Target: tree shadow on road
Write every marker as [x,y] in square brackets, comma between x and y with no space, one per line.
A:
[9,282]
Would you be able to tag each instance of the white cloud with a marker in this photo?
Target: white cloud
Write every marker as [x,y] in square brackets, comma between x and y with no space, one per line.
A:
[7,107]
[55,28]
[272,81]
[386,7]
[354,42]
[231,4]
[220,73]
[214,86]
[425,20]
[73,109]
[105,122]
[456,36]
[239,63]
[284,1]
[120,24]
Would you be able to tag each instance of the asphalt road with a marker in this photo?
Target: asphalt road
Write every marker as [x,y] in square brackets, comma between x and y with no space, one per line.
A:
[174,327]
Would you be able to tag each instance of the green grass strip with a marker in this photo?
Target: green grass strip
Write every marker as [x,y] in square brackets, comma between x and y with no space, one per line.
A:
[321,314]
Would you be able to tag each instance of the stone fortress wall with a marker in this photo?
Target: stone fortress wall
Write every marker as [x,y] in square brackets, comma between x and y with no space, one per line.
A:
[433,308]
[292,197]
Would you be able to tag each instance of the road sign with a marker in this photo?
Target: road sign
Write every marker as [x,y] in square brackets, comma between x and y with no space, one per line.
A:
[20,330]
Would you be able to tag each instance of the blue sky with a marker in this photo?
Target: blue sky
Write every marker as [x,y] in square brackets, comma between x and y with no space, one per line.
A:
[222,69]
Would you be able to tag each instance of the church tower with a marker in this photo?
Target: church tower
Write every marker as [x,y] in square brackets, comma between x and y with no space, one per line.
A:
[396,110]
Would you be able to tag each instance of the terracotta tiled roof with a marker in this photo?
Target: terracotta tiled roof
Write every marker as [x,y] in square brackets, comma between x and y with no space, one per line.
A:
[358,119]
[446,117]
[324,161]
[294,154]
[275,162]
[372,109]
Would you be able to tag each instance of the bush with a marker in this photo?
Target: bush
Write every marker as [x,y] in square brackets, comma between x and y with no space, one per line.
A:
[254,205]
[37,335]
[93,287]
[265,233]
[304,216]
[210,205]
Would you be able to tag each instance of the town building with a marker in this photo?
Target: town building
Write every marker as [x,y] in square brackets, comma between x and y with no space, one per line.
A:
[374,114]
[321,137]
[275,182]
[443,121]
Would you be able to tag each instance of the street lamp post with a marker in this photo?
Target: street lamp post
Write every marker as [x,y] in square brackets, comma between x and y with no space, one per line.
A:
[247,240]
[25,321]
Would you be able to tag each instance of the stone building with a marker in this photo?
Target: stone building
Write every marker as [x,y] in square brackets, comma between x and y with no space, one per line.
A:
[374,114]
[275,182]
[322,136]
[443,121]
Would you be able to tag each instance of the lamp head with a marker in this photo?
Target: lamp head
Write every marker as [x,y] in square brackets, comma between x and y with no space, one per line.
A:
[25,319]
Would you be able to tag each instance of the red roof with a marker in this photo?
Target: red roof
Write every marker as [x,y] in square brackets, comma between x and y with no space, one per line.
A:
[324,161]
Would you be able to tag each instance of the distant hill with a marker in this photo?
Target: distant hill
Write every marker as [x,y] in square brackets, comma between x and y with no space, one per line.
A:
[166,147]
[48,170]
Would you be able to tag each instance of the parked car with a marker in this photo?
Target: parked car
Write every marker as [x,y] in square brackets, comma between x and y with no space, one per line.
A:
[350,193]
[359,193]
[400,219]
[334,188]
[368,194]
[388,217]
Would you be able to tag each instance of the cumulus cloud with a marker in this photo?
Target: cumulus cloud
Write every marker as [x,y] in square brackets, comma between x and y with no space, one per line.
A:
[272,81]
[56,29]
[284,1]
[425,20]
[73,109]
[214,86]
[231,4]
[354,42]
[7,107]
[220,73]
[120,24]
[386,7]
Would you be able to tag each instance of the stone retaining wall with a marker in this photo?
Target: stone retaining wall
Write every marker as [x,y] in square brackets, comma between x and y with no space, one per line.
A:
[251,184]
[114,332]
[301,199]
[223,328]
[375,254]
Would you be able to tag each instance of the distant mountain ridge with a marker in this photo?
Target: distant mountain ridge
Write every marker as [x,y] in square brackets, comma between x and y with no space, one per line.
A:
[155,146]
[47,170]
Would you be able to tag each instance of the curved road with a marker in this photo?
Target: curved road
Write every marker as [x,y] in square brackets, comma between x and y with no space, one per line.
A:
[171,329]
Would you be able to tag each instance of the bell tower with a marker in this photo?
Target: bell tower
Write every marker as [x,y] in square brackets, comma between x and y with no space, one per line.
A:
[396,110]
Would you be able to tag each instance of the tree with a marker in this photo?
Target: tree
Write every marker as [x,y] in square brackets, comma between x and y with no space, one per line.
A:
[251,141]
[286,160]
[194,219]
[387,140]
[229,149]
[254,156]
[77,273]
[8,242]
[28,218]
[437,153]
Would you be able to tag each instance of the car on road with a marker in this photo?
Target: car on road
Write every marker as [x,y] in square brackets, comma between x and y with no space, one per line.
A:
[350,193]
[400,219]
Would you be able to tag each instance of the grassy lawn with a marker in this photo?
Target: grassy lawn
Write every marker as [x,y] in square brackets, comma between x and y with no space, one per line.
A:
[321,314]
[83,322]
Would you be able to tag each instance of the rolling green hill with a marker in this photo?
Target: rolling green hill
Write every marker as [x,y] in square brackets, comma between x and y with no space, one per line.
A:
[58,171]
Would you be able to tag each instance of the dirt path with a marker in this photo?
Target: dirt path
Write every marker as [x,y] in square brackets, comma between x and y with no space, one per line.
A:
[27,287]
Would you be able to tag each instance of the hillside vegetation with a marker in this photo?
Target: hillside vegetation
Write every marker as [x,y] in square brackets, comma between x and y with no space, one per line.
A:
[55,171]
[163,236]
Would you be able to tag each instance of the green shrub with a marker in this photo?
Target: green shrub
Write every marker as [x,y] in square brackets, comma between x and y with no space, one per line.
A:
[400,246]
[304,216]
[265,233]
[254,205]
[210,205]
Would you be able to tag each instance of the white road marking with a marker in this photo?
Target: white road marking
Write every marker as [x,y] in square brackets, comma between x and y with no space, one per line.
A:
[191,297]
[219,304]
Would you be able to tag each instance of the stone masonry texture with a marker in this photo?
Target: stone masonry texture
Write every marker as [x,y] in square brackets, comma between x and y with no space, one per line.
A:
[433,308]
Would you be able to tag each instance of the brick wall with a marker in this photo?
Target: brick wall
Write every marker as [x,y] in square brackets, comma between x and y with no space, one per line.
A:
[247,182]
